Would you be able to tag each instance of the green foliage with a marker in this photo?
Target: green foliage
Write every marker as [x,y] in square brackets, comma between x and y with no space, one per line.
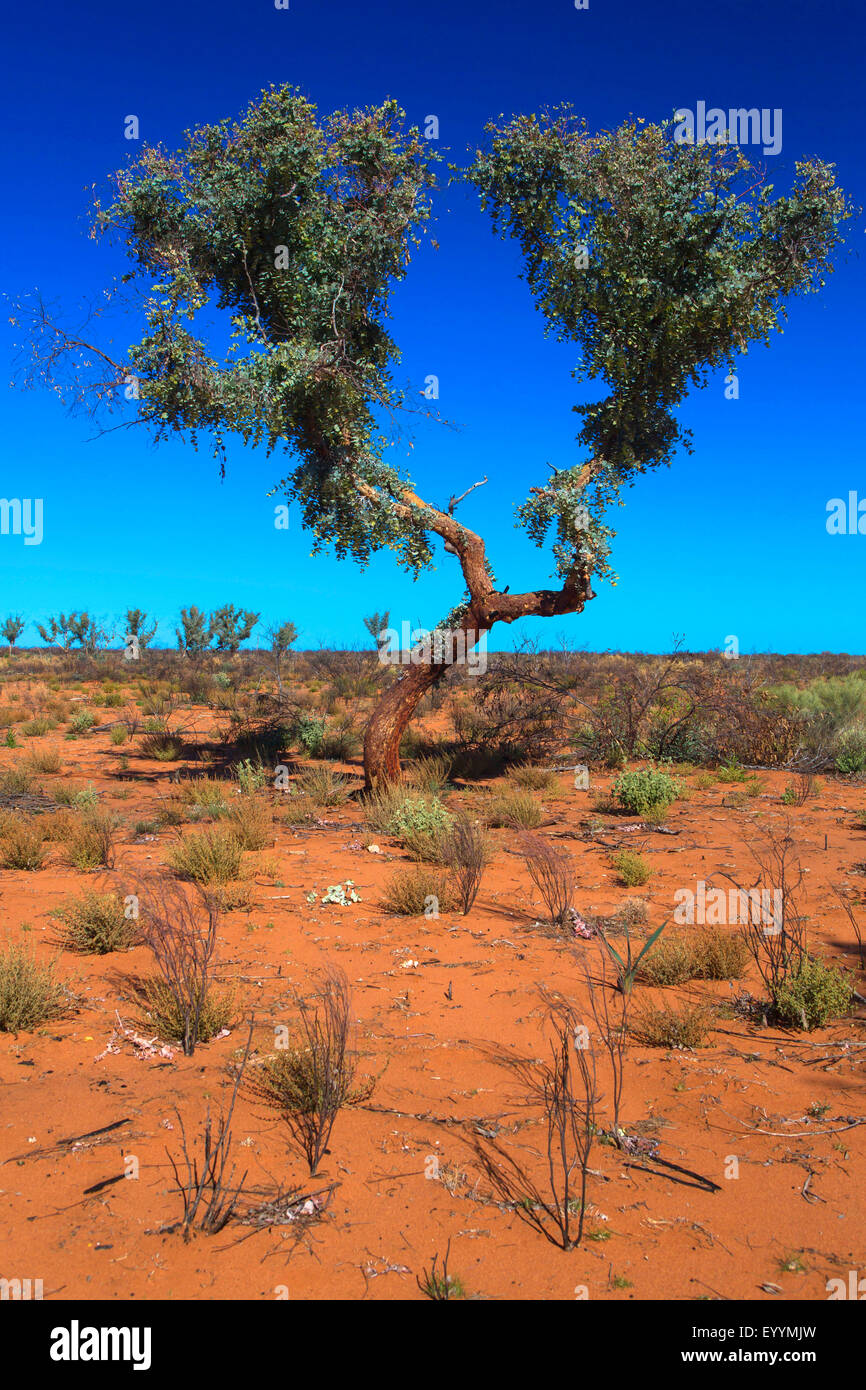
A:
[208,857]
[12,629]
[689,258]
[136,626]
[96,924]
[229,626]
[194,633]
[643,790]
[632,868]
[813,996]
[850,749]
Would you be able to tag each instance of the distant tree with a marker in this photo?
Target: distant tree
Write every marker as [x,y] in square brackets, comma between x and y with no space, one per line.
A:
[12,630]
[136,626]
[229,626]
[376,623]
[194,633]
[67,629]
[658,261]
[281,639]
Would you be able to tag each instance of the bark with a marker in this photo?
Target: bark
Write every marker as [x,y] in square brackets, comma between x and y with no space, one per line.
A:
[486,606]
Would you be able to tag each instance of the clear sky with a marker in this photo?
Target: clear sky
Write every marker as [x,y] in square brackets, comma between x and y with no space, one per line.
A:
[731,540]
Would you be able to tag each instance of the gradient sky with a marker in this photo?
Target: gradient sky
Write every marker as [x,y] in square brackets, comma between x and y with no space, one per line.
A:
[730,540]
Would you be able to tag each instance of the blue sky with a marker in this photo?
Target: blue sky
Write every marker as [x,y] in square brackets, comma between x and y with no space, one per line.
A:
[729,541]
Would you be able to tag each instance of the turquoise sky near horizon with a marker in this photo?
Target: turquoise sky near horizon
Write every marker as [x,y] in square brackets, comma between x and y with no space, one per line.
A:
[731,540]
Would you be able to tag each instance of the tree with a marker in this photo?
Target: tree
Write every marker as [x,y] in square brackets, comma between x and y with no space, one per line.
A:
[659,260]
[65,629]
[281,638]
[12,630]
[136,626]
[376,623]
[229,626]
[194,634]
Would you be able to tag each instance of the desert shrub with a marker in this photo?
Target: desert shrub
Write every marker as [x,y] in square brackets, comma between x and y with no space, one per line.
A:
[250,776]
[632,868]
[418,892]
[340,742]
[30,992]
[466,853]
[82,721]
[41,724]
[79,797]
[206,795]
[534,779]
[705,780]
[89,841]
[308,734]
[182,931]
[251,822]
[208,857]
[514,807]
[428,773]
[419,822]
[643,790]
[324,786]
[552,871]
[21,845]
[311,1079]
[119,734]
[96,924]
[162,745]
[813,996]
[671,963]
[719,955]
[297,810]
[16,780]
[43,761]
[663,1025]
[850,749]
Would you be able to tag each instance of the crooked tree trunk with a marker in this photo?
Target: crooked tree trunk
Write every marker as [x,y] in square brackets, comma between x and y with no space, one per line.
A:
[392,715]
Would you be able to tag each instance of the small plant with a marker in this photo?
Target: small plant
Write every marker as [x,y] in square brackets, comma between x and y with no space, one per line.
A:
[30,992]
[208,857]
[659,1025]
[324,786]
[119,734]
[250,776]
[671,963]
[16,780]
[44,761]
[182,931]
[534,779]
[466,853]
[89,840]
[420,823]
[417,892]
[440,1285]
[97,924]
[552,872]
[251,822]
[311,1080]
[632,868]
[21,845]
[341,894]
[641,791]
[81,722]
[33,728]
[428,773]
[298,810]
[813,996]
[515,807]
[627,966]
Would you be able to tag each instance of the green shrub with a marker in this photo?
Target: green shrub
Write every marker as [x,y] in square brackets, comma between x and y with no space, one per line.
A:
[96,924]
[643,790]
[719,955]
[165,747]
[534,779]
[514,807]
[632,868]
[251,822]
[324,786]
[208,857]
[250,776]
[428,773]
[119,734]
[40,725]
[851,749]
[16,780]
[169,1016]
[46,760]
[670,963]
[89,840]
[815,995]
[81,721]
[30,992]
[309,735]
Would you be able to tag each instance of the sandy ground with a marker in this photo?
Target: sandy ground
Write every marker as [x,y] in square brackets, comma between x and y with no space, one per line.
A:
[776,1108]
